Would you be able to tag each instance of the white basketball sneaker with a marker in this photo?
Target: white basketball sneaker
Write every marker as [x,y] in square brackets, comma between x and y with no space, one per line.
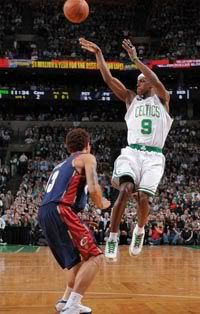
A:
[83,309]
[111,250]
[137,242]
[73,309]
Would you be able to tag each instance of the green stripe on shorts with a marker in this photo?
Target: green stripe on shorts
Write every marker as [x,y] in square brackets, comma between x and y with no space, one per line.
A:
[147,191]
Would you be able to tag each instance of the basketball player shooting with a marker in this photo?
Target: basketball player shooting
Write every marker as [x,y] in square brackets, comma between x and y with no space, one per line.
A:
[140,166]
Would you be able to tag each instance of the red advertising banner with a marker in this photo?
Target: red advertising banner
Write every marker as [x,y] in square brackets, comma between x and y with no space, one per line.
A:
[181,64]
[156,63]
[4,63]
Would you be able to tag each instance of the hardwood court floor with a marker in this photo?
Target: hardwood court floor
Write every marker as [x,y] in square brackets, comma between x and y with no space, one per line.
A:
[162,280]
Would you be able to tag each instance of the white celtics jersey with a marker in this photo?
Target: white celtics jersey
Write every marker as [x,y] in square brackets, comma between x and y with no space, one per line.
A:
[148,122]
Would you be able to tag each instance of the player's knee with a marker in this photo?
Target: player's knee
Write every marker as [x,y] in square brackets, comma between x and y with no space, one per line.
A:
[143,197]
[98,260]
[127,188]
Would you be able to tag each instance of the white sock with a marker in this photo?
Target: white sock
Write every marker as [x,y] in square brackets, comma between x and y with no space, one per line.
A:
[140,230]
[67,293]
[74,298]
[113,236]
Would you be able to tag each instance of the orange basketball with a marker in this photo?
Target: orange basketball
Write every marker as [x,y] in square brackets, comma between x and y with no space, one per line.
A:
[76,11]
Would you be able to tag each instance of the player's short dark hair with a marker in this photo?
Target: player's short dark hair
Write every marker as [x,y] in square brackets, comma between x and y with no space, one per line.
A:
[77,140]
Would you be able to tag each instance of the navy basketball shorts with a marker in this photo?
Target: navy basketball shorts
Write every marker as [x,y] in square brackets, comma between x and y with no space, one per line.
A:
[69,239]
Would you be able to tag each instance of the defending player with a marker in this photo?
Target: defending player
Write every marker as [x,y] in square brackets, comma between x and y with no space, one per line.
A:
[69,239]
[141,164]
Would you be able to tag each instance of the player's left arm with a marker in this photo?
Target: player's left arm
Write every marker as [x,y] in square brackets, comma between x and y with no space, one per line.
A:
[159,88]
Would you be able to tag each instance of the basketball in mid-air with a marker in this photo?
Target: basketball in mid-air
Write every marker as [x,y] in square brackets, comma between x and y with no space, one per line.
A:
[76,11]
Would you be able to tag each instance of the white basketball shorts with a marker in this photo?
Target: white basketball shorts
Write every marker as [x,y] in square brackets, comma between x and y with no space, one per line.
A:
[145,168]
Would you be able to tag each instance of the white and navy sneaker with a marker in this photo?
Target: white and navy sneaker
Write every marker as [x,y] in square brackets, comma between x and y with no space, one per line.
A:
[83,309]
[136,243]
[111,250]
[73,309]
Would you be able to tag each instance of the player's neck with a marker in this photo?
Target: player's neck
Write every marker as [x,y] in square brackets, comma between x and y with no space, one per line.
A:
[84,151]
[146,95]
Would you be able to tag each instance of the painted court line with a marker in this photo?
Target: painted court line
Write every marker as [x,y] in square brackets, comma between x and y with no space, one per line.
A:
[13,249]
[147,295]
[112,295]
[19,250]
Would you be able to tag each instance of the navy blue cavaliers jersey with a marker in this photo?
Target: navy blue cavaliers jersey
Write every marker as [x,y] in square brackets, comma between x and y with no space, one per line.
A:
[66,186]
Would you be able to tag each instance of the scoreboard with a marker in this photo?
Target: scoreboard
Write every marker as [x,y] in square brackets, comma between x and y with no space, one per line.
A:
[29,94]
[180,94]
[96,95]
[58,94]
[54,94]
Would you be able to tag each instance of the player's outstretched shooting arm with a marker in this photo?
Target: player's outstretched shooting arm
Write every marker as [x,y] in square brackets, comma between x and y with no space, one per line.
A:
[159,88]
[114,84]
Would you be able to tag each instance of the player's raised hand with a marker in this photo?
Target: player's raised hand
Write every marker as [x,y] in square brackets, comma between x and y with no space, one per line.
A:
[106,203]
[89,45]
[130,49]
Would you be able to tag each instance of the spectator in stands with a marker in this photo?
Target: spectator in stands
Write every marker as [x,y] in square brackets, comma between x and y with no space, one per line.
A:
[2,227]
[178,190]
[14,164]
[123,231]
[23,159]
[187,235]
[156,234]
